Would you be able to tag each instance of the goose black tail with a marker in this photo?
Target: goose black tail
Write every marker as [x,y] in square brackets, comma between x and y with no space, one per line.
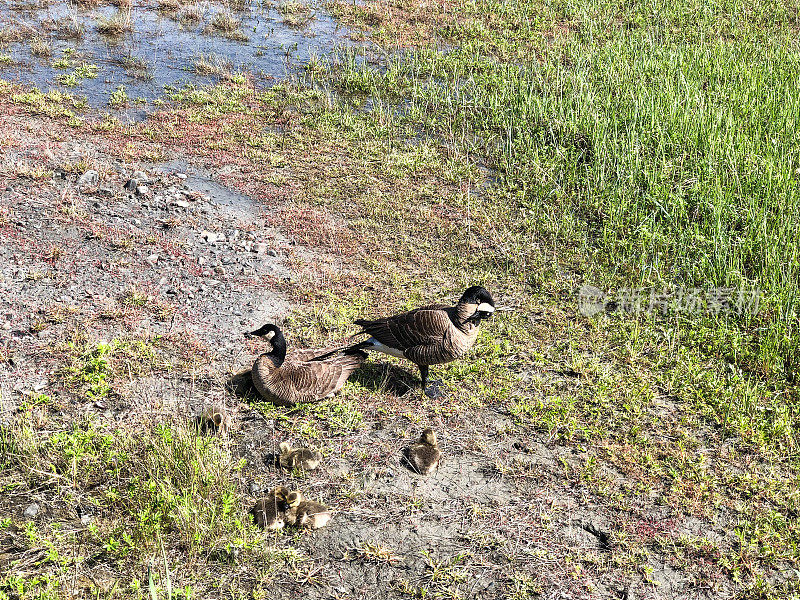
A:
[354,349]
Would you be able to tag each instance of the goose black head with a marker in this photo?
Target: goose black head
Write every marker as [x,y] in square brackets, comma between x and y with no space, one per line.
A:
[278,353]
[264,331]
[482,299]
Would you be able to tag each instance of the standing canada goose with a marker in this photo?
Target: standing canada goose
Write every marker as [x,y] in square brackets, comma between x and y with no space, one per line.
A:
[306,513]
[301,375]
[424,455]
[430,335]
[270,512]
[302,458]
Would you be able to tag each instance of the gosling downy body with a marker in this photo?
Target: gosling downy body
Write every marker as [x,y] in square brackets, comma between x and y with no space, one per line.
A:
[215,419]
[300,375]
[299,458]
[270,512]
[430,335]
[306,513]
[424,455]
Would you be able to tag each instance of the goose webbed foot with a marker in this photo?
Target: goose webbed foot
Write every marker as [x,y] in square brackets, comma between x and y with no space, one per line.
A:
[434,389]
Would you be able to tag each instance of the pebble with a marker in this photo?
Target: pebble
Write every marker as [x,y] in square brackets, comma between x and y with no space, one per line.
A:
[180,176]
[152,259]
[260,248]
[139,176]
[181,203]
[31,511]
[90,178]
[142,190]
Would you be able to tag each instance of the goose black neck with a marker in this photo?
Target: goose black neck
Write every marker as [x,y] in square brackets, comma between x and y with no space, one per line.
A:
[278,353]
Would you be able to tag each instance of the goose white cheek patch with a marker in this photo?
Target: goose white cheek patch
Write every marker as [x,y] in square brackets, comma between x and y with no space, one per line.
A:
[485,307]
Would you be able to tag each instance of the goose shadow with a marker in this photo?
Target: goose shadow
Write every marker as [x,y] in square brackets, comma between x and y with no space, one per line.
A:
[385,378]
[241,385]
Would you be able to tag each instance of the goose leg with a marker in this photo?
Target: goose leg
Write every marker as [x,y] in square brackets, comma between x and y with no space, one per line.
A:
[423,373]
[434,391]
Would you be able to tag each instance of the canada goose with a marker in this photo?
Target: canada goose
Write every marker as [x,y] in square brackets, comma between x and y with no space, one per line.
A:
[270,512]
[288,379]
[306,513]
[214,419]
[430,335]
[302,458]
[424,455]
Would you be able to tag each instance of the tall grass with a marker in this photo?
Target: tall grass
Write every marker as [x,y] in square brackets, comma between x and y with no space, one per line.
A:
[663,155]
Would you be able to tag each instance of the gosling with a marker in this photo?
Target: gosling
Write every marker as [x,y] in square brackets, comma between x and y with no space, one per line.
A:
[302,458]
[306,513]
[270,512]
[424,455]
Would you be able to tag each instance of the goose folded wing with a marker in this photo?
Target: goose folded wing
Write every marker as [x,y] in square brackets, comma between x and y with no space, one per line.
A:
[316,380]
[300,355]
[423,326]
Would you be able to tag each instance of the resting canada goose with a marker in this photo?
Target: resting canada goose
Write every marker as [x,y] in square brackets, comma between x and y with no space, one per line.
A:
[306,513]
[424,455]
[430,335]
[302,458]
[270,512]
[288,379]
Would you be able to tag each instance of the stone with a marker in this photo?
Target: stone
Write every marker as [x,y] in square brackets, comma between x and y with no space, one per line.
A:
[88,179]
[31,511]
[152,259]
[142,190]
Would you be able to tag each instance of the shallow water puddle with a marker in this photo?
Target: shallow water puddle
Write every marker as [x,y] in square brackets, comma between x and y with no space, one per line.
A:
[121,56]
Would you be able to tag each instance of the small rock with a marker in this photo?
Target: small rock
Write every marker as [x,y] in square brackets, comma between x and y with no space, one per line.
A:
[88,179]
[260,248]
[130,185]
[181,203]
[152,259]
[31,511]
[271,252]
[180,176]
[139,176]
[142,190]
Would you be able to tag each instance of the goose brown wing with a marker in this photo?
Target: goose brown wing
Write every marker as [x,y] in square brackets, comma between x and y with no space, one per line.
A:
[299,355]
[316,380]
[418,327]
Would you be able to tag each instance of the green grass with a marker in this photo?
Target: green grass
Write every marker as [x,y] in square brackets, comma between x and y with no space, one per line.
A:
[551,144]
